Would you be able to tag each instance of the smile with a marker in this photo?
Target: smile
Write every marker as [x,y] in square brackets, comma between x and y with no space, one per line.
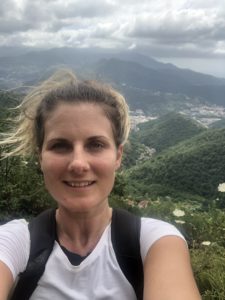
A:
[79,184]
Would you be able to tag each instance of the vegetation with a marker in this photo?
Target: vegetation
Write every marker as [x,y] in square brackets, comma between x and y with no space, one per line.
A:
[167,131]
[195,166]
[178,183]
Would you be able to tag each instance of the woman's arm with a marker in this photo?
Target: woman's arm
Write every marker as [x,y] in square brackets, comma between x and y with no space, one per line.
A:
[6,281]
[168,273]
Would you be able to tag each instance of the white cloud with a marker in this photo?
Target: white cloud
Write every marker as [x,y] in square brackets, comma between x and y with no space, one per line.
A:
[184,28]
[132,46]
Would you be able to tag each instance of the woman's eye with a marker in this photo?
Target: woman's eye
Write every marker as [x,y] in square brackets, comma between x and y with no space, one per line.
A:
[60,147]
[96,145]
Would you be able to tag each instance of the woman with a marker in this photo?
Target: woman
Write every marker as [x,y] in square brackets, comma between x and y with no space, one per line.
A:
[78,130]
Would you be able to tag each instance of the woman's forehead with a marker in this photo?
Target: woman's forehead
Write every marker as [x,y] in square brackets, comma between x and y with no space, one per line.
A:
[78,119]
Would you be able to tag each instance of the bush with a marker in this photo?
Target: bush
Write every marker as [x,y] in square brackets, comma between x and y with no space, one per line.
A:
[209,269]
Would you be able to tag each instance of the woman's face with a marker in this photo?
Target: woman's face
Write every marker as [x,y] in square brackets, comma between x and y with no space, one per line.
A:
[79,156]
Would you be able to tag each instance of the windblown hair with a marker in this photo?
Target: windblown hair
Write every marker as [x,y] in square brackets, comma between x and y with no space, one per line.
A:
[26,137]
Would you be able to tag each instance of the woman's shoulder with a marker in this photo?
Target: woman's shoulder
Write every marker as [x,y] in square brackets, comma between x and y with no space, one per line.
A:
[156,225]
[154,229]
[14,223]
[15,245]
[16,227]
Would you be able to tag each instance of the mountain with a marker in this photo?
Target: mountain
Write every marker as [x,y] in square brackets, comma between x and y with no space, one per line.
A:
[6,51]
[74,57]
[134,70]
[133,76]
[195,166]
[153,137]
[218,124]
[148,84]
[167,131]
[9,99]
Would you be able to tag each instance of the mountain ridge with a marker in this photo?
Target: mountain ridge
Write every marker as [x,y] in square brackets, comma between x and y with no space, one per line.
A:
[147,84]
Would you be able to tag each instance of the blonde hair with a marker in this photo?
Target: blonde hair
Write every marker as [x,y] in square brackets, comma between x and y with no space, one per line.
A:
[26,137]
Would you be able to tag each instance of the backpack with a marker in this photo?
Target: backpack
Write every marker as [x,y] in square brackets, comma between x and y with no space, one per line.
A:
[125,235]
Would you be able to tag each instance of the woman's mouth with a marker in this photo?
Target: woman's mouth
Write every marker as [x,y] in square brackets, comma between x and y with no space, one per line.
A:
[78,184]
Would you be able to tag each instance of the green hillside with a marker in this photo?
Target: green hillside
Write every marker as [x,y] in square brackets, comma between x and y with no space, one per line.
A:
[195,166]
[167,131]
[8,99]
[135,153]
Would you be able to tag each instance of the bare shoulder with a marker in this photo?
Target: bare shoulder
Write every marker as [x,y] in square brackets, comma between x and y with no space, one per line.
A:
[6,281]
[168,272]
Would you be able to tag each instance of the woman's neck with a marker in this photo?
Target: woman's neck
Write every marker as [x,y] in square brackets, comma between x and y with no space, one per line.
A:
[80,232]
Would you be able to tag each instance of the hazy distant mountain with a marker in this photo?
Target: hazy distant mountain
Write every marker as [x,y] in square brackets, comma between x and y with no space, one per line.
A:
[148,84]
[6,51]
[176,81]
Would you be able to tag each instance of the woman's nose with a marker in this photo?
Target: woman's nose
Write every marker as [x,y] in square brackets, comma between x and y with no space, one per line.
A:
[79,162]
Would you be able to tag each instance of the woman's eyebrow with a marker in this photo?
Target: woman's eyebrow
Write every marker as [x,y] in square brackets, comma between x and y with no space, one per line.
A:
[98,137]
[57,140]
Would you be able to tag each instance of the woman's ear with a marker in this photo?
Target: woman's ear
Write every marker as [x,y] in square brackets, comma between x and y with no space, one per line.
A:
[119,156]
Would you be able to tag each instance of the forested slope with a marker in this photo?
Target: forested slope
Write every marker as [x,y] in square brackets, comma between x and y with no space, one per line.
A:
[167,131]
[196,166]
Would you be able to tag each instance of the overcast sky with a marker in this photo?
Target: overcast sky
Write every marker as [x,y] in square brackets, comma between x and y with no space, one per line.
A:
[188,33]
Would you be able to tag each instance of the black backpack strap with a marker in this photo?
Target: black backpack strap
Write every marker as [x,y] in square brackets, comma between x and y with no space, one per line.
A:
[42,233]
[125,231]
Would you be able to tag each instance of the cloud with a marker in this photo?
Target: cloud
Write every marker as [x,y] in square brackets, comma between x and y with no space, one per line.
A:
[84,9]
[11,8]
[14,17]
[189,30]
[163,28]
